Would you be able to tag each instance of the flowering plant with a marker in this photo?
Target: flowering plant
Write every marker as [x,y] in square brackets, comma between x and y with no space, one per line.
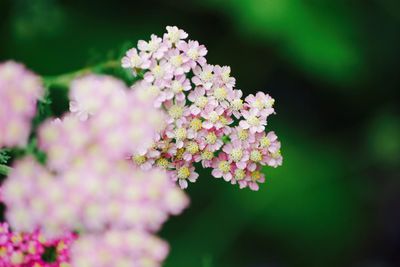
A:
[86,193]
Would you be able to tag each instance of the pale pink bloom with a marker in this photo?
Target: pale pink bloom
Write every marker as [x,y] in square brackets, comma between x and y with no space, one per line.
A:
[88,94]
[243,135]
[210,140]
[194,52]
[200,101]
[94,195]
[237,154]
[223,77]
[254,179]
[176,110]
[261,102]
[119,248]
[174,35]
[27,249]
[235,103]
[222,167]
[160,73]
[203,76]
[20,89]
[183,172]
[253,121]
[220,94]
[212,117]
[178,86]
[178,61]
[135,60]
[155,47]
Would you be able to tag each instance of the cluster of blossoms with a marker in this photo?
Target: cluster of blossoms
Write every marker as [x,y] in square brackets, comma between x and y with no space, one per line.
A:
[208,121]
[88,185]
[112,248]
[29,249]
[19,91]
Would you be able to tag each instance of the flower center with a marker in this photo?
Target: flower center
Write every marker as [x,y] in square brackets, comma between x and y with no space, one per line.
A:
[139,159]
[180,133]
[255,155]
[224,166]
[206,75]
[136,60]
[193,53]
[220,93]
[265,142]
[243,134]
[183,172]
[213,116]
[192,147]
[175,111]
[158,71]
[255,176]
[195,124]
[176,60]
[253,120]
[237,104]
[201,101]
[239,174]
[236,154]
[211,138]
[176,87]
[207,155]
[162,163]
[179,153]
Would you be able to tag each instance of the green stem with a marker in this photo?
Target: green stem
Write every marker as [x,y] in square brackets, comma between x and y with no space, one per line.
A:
[64,79]
[4,170]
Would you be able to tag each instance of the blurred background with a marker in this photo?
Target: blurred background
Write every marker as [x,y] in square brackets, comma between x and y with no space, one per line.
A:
[333,68]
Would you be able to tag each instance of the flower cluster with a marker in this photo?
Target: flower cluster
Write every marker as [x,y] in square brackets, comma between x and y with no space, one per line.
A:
[29,249]
[208,121]
[87,185]
[119,249]
[19,91]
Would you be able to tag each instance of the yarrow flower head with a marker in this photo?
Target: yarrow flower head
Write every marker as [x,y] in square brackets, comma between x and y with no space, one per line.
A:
[30,249]
[208,121]
[20,90]
[87,185]
[119,249]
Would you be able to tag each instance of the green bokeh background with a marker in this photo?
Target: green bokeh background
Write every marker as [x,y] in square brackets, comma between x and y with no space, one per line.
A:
[333,68]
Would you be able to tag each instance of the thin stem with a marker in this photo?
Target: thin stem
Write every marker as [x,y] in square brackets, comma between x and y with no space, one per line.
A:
[4,170]
[63,80]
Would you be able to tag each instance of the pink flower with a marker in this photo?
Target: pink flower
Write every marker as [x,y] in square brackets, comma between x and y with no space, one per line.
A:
[178,86]
[261,102]
[178,61]
[235,103]
[135,60]
[204,76]
[119,248]
[89,94]
[19,91]
[223,77]
[237,154]
[194,52]
[222,167]
[210,140]
[210,116]
[174,35]
[161,73]
[184,173]
[253,121]
[155,47]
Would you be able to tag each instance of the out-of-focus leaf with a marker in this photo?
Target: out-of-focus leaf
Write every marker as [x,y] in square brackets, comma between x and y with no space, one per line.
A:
[323,46]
